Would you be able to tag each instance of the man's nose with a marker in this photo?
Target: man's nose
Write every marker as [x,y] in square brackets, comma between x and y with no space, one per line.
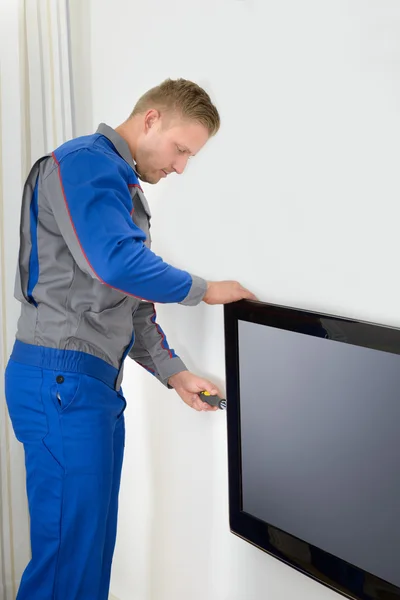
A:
[180,165]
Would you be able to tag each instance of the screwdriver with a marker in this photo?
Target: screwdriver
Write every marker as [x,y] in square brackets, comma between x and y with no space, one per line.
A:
[213,400]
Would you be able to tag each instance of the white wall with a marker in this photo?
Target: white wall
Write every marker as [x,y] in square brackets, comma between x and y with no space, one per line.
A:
[298,197]
[81,83]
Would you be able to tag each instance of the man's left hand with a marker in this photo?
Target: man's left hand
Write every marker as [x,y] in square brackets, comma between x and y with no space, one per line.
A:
[188,386]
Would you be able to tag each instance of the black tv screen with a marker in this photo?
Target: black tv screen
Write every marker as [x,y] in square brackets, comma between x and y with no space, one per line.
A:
[313,411]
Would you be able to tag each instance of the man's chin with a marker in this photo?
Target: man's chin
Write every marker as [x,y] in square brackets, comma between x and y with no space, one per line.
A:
[150,178]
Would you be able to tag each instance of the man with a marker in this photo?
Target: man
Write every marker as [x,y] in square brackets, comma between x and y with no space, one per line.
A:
[87,281]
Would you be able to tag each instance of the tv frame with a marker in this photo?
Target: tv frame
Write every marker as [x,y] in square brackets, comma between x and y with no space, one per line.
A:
[329,570]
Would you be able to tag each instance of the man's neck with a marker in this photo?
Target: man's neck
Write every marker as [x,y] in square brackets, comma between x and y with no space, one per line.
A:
[127,130]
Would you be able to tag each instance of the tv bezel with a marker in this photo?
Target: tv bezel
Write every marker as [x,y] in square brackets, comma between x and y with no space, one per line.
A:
[329,570]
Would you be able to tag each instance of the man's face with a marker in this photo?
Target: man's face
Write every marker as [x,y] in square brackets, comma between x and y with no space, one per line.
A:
[165,145]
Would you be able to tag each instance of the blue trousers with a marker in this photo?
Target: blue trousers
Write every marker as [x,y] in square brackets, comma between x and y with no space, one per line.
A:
[67,414]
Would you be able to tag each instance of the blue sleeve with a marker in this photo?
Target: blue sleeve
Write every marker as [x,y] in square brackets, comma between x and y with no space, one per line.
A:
[92,206]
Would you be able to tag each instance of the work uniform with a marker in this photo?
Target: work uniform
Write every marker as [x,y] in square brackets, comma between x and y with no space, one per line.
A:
[87,281]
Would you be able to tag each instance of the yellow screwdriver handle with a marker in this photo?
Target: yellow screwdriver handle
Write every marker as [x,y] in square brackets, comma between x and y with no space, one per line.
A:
[213,400]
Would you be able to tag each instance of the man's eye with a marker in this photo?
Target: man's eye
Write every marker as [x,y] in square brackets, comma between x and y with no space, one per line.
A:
[180,150]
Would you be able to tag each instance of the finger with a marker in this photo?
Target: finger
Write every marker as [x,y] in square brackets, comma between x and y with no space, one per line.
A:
[209,407]
[197,404]
[246,291]
[210,387]
[249,295]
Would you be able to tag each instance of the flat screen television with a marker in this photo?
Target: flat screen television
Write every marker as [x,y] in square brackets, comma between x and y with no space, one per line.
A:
[313,414]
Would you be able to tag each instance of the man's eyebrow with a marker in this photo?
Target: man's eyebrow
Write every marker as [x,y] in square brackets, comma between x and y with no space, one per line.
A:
[186,149]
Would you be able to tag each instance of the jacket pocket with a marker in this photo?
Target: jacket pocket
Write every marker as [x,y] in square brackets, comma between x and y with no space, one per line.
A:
[100,320]
[108,331]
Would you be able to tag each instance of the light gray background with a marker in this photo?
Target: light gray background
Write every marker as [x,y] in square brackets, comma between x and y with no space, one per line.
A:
[320,443]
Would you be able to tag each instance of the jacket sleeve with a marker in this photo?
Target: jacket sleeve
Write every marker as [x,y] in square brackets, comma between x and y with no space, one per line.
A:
[90,199]
[150,349]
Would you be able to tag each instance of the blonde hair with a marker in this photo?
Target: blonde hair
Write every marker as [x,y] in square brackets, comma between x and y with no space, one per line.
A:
[183,97]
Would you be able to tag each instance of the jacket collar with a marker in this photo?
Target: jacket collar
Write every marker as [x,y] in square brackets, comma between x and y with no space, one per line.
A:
[119,143]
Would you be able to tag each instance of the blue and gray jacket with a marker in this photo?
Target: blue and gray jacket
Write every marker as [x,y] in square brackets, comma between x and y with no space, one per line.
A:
[86,277]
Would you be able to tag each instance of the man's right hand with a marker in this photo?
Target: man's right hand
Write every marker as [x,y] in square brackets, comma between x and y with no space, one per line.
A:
[224,292]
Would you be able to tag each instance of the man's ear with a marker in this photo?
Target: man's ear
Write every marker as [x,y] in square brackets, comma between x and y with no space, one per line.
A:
[150,119]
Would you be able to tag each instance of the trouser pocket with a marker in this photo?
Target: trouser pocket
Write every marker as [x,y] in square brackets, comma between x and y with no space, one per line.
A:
[65,389]
[24,397]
